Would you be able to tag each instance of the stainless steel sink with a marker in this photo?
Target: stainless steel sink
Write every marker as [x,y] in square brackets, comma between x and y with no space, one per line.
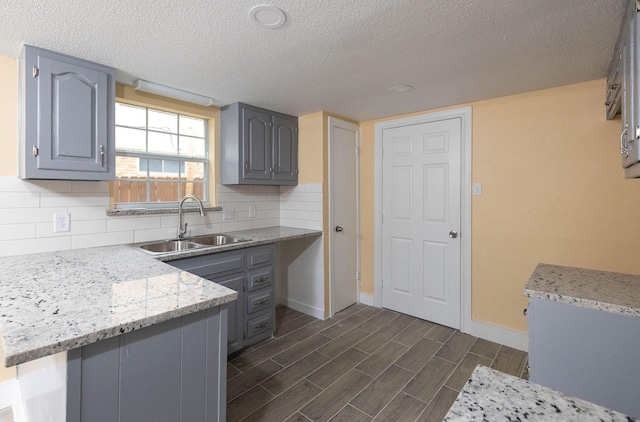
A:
[164,246]
[217,239]
[197,242]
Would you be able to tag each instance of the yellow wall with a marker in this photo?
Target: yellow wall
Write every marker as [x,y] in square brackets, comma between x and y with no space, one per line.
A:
[8,116]
[553,191]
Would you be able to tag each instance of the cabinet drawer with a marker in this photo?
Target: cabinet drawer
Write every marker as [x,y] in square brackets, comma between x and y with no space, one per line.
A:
[257,279]
[260,324]
[260,256]
[259,300]
[212,266]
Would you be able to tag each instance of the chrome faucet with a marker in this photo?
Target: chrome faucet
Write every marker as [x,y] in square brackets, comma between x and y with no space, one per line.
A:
[182,230]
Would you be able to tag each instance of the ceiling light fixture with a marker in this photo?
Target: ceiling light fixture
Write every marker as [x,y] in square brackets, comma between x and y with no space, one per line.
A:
[267,16]
[177,94]
[399,89]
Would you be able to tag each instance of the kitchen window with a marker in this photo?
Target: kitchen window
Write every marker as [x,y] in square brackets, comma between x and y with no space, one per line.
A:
[161,156]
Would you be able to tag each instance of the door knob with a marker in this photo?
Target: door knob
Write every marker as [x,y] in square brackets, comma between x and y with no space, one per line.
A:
[339,229]
[453,234]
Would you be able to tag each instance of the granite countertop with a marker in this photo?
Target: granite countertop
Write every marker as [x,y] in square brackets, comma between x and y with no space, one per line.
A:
[490,395]
[57,301]
[601,290]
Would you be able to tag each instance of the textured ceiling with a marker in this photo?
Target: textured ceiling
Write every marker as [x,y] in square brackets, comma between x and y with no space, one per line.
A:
[341,56]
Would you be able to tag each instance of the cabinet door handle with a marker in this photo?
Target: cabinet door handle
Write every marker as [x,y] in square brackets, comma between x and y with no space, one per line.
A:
[624,151]
[246,165]
[262,325]
[270,169]
[261,279]
[261,302]
[101,155]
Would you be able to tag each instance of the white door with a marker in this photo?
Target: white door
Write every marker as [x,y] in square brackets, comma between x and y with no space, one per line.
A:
[343,209]
[421,187]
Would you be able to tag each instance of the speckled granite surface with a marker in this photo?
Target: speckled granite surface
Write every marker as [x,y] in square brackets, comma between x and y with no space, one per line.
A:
[606,291]
[490,395]
[52,302]
[57,301]
[257,236]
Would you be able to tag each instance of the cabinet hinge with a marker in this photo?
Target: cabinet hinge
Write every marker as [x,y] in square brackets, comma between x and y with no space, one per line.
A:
[357,275]
[36,71]
[35,151]
[296,129]
[357,151]
[297,172]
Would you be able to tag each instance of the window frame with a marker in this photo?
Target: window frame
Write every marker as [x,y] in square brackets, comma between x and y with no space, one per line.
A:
[205,161]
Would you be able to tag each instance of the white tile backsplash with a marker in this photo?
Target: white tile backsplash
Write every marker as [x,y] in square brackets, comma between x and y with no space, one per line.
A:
[27,209]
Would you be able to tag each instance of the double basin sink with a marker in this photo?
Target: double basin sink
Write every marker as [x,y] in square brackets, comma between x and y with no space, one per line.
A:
[196,242]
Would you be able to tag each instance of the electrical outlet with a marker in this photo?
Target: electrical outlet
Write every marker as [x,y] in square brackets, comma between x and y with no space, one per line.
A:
[252,211]
[228,213]
[61,222]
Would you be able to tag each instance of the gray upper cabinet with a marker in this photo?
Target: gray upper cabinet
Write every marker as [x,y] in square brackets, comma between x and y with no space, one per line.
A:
[67,108]
[259,147]
[623,90]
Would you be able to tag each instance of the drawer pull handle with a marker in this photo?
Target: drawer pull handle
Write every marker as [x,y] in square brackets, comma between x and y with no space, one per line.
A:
[259,326]
[261,302]
[261,279]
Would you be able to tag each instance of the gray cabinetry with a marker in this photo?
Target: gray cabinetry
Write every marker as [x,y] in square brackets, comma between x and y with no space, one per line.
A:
[259,147]
[585,353]
[623,90]
[66,117]
[249,272]
[169,372]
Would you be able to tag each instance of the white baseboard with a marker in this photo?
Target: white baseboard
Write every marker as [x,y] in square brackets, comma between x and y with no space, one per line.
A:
[508,337]
[366,299]
[301,307]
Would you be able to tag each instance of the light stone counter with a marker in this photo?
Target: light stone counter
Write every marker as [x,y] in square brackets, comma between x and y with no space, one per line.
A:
[601,290]
[490,395]
[58,301]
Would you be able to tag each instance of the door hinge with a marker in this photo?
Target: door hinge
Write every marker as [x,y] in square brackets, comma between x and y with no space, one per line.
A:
[35,151]
[36,71]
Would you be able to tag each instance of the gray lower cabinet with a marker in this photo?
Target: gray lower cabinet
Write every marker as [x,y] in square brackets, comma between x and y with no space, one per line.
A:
[586,353]
[259,147]
[169,372]
[66,117]
[249,272]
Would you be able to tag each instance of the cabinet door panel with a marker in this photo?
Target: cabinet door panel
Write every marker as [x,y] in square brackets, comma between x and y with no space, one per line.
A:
[235,338]
[285,149]
[256,140]
[627,44]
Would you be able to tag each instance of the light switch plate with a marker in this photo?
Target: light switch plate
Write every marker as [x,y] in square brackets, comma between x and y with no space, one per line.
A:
[477,188]
[252,211]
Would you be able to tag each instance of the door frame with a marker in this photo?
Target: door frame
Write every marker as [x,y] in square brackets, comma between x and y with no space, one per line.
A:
[464,113]
[342,124]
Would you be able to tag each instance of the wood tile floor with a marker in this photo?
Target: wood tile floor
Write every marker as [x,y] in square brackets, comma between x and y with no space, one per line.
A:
[363,364]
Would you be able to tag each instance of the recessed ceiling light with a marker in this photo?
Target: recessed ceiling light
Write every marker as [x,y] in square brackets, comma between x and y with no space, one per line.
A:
[398,89]
[267,16]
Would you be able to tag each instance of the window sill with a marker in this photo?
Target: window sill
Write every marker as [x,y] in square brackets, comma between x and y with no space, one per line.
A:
[150,211]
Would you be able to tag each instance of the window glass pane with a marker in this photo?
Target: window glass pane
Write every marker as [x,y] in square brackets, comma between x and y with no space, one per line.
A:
[171,166]
[163,143]
[192,147]
[192,126]
[163,121]
[193,188]
[131,139]
[193,171]
[128,115]
[163,190]
[130,167]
